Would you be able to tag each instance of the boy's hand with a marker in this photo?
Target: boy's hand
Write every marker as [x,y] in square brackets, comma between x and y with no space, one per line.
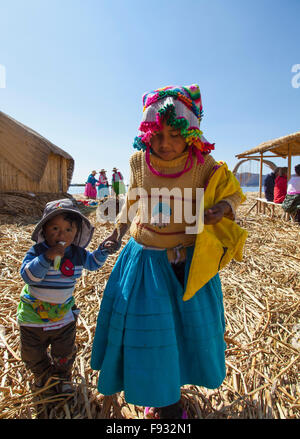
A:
[215,213]
[56,250]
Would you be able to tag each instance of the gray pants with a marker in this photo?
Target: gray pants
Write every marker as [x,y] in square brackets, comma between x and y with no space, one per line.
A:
[34,345]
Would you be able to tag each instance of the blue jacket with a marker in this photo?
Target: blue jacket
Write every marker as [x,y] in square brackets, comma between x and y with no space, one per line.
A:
[38,272]
[92,180]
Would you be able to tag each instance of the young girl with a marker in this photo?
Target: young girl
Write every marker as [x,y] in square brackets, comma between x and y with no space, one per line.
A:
[151,336]
[47,312]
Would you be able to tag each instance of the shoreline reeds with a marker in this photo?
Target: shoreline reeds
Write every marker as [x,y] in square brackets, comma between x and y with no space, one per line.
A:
[262,309]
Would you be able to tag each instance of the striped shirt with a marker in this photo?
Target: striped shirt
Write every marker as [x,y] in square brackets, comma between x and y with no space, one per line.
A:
[57,286]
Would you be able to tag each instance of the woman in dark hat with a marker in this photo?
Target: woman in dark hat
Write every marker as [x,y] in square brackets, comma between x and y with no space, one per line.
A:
[90,186]
[118,183]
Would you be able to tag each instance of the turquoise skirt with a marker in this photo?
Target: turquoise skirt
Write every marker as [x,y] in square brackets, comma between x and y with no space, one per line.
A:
[148,341]
[102,191]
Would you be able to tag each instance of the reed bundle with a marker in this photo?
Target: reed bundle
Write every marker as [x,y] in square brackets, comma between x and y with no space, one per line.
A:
[261,300]
[27,206]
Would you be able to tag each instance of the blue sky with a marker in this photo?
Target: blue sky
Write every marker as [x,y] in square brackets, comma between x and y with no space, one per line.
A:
[76,71]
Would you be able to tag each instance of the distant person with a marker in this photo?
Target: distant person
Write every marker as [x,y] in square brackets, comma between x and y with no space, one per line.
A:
[117,183]
[280,187]
[102,185]
[90,186]
[47,312]
[291,203]
[269,184]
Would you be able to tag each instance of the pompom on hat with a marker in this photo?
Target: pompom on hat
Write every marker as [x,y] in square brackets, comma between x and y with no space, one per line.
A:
[184,107]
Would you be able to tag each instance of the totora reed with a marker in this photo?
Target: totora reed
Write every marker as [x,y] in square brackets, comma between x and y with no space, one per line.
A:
[262,308]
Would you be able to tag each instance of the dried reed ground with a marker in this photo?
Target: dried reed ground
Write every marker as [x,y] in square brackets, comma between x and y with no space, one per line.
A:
[261,299]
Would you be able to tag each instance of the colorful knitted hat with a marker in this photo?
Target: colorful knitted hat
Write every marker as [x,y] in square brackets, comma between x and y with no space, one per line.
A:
[184,108]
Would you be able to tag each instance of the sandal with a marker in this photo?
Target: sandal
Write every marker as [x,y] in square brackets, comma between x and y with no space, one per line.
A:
[149,415]
[157,413]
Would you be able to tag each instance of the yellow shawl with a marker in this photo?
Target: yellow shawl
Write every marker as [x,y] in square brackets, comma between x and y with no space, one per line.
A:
[217,244]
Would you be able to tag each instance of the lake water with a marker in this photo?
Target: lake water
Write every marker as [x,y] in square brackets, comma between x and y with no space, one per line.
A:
[251,189]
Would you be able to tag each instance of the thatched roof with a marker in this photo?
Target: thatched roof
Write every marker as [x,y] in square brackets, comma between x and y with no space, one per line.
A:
[277,146]
[27,150]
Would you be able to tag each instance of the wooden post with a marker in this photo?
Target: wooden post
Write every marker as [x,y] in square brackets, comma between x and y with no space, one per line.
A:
[286,215]
[289,162]
[260,179]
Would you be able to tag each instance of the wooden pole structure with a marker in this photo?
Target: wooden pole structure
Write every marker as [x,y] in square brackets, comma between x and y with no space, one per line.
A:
[260,178]
[289,162]
[260,174]
[258,157]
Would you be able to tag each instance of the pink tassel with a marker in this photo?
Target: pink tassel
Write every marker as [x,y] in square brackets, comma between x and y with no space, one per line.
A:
[198,154]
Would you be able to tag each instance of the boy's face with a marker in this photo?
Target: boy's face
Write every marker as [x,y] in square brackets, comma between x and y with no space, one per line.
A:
[168,144]
[58,229]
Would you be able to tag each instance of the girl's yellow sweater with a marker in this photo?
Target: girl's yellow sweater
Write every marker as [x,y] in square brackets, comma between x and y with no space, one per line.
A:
[161,222]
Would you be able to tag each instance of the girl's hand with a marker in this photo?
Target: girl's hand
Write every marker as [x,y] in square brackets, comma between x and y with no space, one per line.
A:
[111,246]
[114,241]
[215,213]
[56,250]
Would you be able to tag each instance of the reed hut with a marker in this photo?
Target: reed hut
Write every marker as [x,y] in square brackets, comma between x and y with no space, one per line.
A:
[29,162]
[284,147]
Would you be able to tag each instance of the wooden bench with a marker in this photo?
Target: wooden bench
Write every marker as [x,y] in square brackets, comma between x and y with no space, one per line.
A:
[261,204]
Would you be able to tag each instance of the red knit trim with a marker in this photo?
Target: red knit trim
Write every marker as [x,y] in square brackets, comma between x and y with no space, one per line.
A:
[142,226]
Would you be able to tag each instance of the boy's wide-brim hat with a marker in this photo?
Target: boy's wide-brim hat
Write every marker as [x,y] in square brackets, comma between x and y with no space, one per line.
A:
[102,170]
[183,107]
[115,169]
[58,207]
